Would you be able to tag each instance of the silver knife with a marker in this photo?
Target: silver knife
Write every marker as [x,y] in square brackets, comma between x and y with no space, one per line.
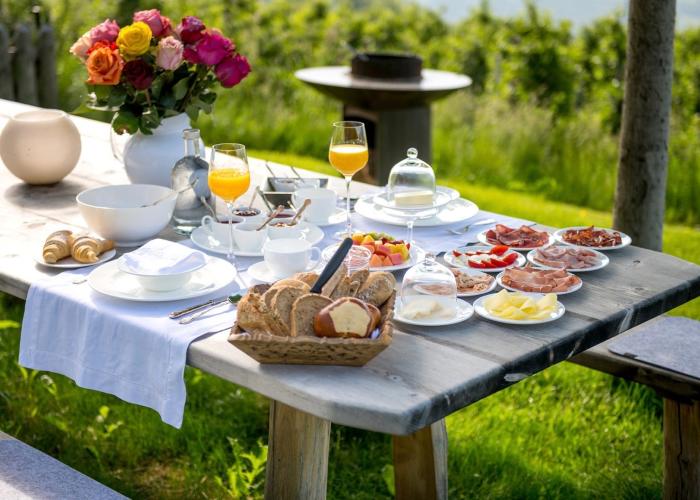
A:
[187,310]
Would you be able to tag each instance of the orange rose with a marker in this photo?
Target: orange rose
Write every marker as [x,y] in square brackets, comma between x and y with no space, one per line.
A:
[104,65]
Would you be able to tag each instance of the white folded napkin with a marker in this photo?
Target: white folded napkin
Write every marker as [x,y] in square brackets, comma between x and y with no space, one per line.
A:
[129,349]
[160,257]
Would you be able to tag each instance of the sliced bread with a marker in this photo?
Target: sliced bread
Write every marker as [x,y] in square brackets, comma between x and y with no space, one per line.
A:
[304,311]
[282,304]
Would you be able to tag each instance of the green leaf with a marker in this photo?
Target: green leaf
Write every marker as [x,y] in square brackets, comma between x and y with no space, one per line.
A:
[117,97]
[180,88]
[125,121]
[208,97]
[82,109]
[150,118]
[193,112]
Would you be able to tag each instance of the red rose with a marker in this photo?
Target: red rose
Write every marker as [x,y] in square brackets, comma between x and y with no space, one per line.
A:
[190,29]
[232,70]
[138,73]
[212,48]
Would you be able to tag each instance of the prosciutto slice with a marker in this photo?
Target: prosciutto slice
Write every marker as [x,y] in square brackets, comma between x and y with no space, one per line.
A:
[523,237]
[566,257]
[592,237]
[530,279]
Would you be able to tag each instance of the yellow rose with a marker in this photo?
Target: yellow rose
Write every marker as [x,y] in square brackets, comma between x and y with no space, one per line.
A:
[134,40]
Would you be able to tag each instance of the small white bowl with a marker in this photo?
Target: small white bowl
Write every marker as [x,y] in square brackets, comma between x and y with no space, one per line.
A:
[117,212]
[161,282]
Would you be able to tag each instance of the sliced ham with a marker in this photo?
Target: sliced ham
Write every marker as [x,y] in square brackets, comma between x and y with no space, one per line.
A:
[523,237]
[566,257]
[530,279]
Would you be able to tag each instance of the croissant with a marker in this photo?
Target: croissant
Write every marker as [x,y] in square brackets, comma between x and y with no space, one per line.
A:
[57,246]
[86,249]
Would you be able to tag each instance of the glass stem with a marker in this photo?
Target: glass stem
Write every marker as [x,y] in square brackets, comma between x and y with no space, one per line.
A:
[348,222]
[231,258]
[409,225]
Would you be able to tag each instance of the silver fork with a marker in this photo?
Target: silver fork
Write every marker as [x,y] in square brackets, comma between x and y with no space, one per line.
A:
[469,226]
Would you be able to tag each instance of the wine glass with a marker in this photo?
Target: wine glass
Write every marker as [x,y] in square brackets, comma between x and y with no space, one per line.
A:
[229,178]
[348,154]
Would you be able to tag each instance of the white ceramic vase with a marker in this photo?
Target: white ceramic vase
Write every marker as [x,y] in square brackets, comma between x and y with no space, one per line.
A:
[40,146]
[149,159]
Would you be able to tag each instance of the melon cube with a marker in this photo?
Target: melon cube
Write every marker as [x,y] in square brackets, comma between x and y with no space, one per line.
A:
[382,250]
[376,261]
[396,259]
[387,261]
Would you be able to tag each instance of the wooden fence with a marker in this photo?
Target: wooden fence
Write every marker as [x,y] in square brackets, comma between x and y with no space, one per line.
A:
[28,64]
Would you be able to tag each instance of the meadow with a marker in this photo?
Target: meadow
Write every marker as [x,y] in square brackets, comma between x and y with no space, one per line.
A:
[535,137]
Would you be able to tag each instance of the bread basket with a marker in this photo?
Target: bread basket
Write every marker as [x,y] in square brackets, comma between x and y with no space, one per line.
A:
[267,348]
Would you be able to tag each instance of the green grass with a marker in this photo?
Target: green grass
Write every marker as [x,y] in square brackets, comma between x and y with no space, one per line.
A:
[565,433]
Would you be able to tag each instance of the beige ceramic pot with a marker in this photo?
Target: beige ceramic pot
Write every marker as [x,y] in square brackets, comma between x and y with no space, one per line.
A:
[40,146]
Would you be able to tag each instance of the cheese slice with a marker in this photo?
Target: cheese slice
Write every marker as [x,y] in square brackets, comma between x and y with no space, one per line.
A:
[423,307]
[413,198]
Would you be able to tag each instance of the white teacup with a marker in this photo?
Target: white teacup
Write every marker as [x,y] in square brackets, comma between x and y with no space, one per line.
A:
[323,203]
[248,238]
[219,230]
[285,257]
[278,229]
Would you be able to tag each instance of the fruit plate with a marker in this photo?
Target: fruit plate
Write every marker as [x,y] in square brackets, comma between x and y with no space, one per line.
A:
[416,254]
[453,261]
[266,348]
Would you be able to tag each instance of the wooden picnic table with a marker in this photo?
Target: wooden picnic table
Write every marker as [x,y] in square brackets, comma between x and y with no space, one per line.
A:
[409,389]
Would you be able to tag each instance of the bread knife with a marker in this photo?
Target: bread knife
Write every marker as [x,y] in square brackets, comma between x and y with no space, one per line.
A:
[333,265]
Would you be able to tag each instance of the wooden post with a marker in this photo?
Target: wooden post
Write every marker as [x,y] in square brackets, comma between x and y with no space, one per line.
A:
[7,90]
[420,463]
[46,67]
[681,450]
[24,66]
[641,179]
[297,456]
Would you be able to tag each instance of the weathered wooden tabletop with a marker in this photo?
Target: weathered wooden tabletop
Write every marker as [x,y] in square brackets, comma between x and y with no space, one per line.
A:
[425,374]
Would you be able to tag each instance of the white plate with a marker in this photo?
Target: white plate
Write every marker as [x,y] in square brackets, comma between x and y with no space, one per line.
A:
[416,254]
[338,217]
[481,311]
[109,280]
[626,240]
[71,263]
[602,258]
[499,280]
[458,210]
[443,196]
[203,239]
[452,260]
[464,312]
[481,237]
[475,272]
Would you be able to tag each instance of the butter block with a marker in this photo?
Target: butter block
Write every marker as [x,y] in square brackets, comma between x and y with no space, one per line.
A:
[413,198]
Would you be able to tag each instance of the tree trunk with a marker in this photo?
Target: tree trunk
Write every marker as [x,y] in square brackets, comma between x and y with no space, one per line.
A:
[641,179]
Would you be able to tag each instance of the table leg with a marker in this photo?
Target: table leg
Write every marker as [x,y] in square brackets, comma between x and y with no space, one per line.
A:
[420,463]
[681,450]
[297,455]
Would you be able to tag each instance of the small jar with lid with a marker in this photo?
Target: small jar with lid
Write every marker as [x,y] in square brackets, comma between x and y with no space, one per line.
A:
[411,182]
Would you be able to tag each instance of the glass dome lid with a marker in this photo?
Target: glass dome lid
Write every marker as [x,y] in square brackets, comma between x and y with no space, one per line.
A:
[411,182]
[428,289]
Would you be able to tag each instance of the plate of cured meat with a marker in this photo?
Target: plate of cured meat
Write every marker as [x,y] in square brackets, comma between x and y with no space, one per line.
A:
[593,237]
[569,258]
[471,282]
[484,258]
[522,238]
[537,280]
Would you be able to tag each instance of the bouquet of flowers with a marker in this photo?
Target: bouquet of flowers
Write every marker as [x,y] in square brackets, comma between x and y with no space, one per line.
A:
[148,71]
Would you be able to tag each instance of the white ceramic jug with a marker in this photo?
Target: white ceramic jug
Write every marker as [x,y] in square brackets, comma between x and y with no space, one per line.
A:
[40,146]
[149,159]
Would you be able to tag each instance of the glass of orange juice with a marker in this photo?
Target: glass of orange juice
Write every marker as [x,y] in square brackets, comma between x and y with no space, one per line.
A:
[348,154]
[229,178]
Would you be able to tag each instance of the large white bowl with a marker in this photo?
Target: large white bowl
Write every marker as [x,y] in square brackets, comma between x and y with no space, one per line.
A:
[116,212]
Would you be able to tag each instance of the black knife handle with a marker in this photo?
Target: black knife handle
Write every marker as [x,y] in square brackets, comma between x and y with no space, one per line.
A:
[333,265]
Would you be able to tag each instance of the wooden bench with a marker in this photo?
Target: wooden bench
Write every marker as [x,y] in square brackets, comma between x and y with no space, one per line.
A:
[681,394]
[27,473]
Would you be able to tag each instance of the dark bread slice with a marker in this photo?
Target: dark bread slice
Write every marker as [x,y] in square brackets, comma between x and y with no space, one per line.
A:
[282,304]
[304,311]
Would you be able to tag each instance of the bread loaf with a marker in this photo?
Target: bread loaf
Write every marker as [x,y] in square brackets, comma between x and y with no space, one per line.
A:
[282,304]
[304,311]
[252,313]
[378,288]
[309,278]
[346,317]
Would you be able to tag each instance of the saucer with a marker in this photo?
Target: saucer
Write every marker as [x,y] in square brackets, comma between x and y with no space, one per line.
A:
[338,217]
[204,240]
[463,311]
[109,280]
[260,272]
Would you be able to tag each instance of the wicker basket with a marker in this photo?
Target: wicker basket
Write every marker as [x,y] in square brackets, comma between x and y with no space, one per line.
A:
[267,348]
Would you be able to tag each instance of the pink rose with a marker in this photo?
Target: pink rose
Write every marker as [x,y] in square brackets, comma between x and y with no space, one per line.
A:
[169,54]
[81,46]
[107,31]
[212,48]
[232,70]
[190,55]
[190,29]
[160,25]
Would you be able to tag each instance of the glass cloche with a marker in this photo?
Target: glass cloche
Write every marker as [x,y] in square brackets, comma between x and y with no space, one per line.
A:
[428,291]
[411,182]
